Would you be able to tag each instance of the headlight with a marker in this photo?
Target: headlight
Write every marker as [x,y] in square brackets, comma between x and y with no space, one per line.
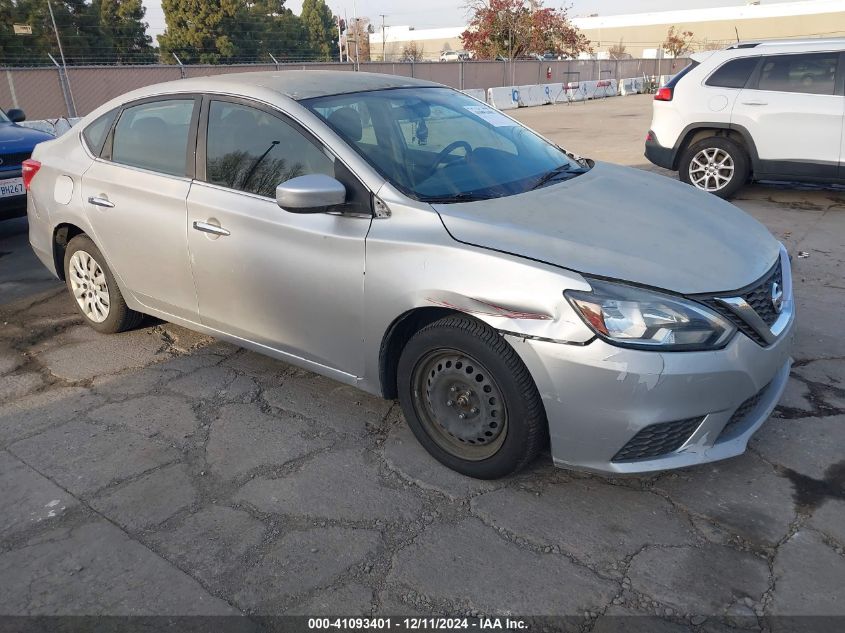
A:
[634,317]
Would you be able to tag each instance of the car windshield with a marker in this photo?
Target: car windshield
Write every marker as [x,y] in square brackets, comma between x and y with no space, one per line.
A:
[3,117]
[439,145]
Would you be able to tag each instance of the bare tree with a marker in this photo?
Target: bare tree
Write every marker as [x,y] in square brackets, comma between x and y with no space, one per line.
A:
[412,52]
[617,51]
[677,42]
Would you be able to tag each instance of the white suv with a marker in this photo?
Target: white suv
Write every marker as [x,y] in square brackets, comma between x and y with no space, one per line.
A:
[772,110]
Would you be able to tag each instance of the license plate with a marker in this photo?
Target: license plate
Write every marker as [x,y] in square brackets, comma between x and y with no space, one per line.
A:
[11,187]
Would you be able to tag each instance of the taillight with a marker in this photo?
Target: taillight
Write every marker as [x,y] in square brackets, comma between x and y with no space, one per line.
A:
[28,170]
[663,94]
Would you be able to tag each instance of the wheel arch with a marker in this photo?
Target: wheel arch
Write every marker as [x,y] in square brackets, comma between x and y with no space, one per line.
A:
[397,336]
[698,131]
[62,235]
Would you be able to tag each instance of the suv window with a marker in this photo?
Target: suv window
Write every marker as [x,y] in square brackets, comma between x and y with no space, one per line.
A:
[810,73]
[154,136]
[734,74]
[95,134]
[251,150]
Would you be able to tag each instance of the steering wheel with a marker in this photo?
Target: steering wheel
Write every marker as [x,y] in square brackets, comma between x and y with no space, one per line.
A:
[451,147]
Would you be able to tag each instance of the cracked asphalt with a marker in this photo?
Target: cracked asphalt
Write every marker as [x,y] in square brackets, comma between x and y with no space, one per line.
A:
[160,472]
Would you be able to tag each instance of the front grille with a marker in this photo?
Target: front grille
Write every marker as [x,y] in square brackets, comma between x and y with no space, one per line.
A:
[13,160]
[657,439]
[759,297]
[741,414]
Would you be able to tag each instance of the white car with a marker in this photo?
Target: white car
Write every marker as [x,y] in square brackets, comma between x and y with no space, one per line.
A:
[771,110]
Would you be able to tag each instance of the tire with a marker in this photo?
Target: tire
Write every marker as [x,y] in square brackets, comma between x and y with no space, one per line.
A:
[94,290]
[459,366]
[718,150]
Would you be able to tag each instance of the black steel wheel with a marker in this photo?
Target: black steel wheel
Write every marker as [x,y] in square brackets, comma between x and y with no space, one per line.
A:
[469,399]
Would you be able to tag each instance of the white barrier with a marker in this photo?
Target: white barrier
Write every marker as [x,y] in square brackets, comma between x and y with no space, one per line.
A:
[632,86]
[505,98]
[556,93]
[476,93]
[575,91]
[599,89]
[532,95]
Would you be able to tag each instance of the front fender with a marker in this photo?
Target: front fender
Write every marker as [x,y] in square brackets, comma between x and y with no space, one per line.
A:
[413,263]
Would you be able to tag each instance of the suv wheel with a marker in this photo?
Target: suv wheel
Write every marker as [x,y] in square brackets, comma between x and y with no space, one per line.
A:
[469,399]
[716,165]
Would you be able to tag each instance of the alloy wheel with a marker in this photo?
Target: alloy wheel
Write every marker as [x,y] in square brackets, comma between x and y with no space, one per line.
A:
[711,169]
[89,286]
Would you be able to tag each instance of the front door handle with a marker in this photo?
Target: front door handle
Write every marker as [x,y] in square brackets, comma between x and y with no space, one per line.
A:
[754,103]
[214,229]
[101,201]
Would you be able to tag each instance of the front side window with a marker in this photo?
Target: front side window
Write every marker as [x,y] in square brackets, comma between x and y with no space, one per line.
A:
[439,145]
[254,151]
[734,74]
[154,136]
[95,134]
[810,74]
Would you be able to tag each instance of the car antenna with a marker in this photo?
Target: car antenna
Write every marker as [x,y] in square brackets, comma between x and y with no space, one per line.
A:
[736,30]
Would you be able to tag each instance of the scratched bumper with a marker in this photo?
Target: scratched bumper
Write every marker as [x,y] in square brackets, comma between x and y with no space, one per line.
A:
[598,397]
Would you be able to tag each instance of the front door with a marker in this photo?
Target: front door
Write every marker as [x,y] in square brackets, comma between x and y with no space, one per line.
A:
[291,282]
[136,196]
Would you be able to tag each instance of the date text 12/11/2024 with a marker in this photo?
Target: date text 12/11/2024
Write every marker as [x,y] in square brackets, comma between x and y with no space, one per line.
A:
[417,624]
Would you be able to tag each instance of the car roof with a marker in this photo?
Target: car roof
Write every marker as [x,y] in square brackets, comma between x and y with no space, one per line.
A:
[296,84]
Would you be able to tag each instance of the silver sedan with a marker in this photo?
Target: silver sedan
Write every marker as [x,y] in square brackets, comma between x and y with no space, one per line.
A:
[402,237]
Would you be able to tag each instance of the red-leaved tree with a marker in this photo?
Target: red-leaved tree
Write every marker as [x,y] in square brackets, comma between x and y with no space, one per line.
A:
[512,28]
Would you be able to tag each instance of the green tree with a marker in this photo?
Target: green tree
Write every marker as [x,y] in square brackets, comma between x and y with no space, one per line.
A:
[201,31]
[124,31]
[320,28]
[277,31]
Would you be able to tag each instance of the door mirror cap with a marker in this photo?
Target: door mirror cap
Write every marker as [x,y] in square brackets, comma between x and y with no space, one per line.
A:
[314,193]
[16,115]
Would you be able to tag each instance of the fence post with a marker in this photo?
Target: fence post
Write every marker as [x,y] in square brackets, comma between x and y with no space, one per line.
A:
[65,86]
[461,75]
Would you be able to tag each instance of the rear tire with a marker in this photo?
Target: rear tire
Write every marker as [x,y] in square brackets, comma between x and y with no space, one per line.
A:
[470,400]
[94,290]
[716,165]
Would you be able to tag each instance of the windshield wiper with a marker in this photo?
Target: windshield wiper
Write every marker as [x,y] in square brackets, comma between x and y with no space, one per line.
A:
[457,197]
[561,170]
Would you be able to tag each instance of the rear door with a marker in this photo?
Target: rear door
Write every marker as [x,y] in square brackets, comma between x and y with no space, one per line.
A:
[794,114]
[135,196]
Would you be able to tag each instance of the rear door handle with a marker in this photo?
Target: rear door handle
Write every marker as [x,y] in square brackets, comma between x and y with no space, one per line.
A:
[101,201]
[205,227]
[754,103]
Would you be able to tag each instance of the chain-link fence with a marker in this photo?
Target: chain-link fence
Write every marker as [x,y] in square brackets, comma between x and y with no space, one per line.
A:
[47,93]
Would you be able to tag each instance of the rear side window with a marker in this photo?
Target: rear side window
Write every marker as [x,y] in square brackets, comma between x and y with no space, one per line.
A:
[734,74]
[680,74]
[154,136]
[95,134]
[811,74]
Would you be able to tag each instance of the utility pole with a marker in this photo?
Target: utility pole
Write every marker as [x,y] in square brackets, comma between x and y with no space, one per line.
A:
[62,56]
[357,34]
[383,58]
[339,39]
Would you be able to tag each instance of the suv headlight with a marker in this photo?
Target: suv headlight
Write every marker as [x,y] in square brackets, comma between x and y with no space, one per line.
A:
[635,317]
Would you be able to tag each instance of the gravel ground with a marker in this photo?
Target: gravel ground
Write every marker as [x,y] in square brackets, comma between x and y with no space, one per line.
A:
[160,472]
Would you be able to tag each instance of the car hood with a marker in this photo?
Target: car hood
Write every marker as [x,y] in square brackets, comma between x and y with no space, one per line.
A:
[16,138]
[623,223]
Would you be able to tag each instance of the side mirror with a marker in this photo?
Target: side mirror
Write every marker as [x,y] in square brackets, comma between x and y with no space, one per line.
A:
[15,115]
[314,193]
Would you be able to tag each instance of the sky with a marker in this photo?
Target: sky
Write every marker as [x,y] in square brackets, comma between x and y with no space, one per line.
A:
[441,13]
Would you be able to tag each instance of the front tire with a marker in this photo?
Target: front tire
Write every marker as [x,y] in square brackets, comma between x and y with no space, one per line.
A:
[716,165]
[94,289]
[470,400]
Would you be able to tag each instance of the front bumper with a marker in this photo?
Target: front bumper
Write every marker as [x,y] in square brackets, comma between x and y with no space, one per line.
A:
[598,397]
